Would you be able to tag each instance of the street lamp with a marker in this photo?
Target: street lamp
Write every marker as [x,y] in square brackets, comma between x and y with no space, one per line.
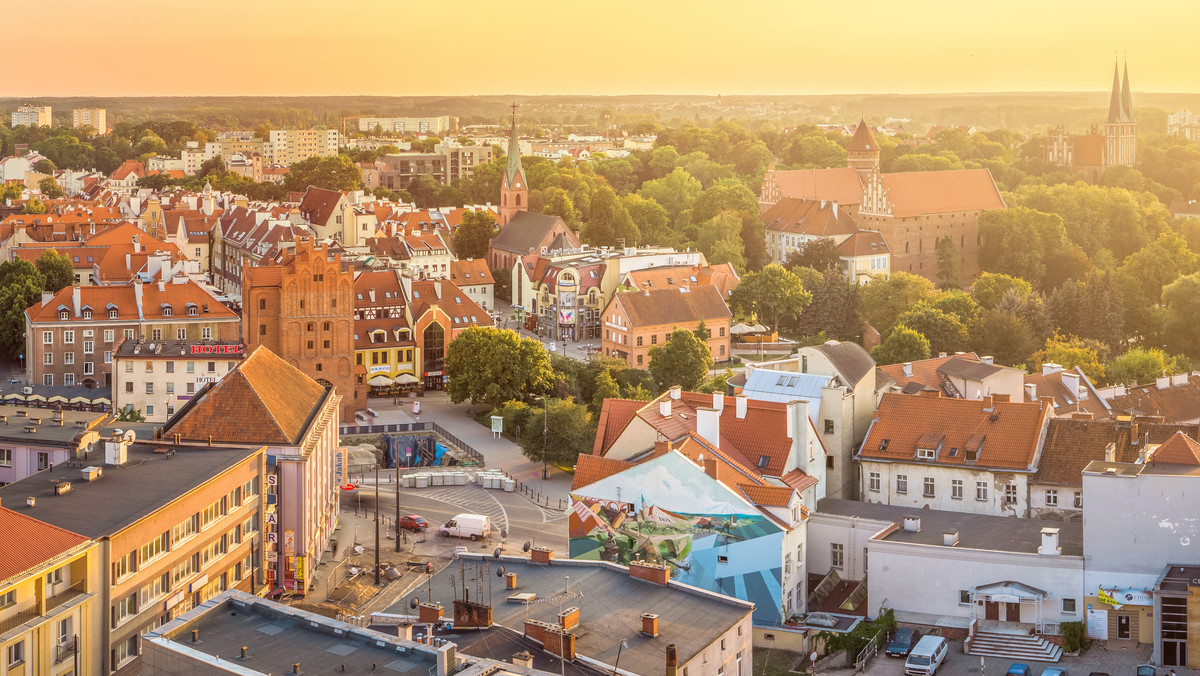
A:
[545,435]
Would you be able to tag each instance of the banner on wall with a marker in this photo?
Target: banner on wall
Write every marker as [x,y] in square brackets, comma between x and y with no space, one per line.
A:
[289,542]
[1117,597]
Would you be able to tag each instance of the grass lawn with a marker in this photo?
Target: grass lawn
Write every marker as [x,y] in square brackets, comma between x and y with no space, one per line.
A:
[771,662]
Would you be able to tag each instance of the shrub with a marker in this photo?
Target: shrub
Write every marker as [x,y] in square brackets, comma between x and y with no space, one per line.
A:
[1073,636]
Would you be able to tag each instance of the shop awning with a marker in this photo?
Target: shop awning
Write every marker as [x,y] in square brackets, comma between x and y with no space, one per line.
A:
[406,379]
[379,380]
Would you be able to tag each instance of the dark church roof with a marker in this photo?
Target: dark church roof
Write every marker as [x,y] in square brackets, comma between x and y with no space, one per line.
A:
[863,140]
[524,232]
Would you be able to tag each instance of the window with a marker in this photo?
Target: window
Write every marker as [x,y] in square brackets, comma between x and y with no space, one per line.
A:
[902,484]
[262,303]
[156,334]
[964,597]
[212,513]
[928,492]
[787,564]
[5,457]
[191,388]
[112,313]
[170,367]
[262,329]
[639,341]
[150,388]
[837,555]
[185,569]
[47,337]
[981,491]
[206,333]
[181,334]
[956,489]
[125,565]
[170,388]
[1051,498]
[926,454]
[89,368]
[69,337]
[1010,494]
[166,311]
[89,347]
[828,426]
[1078,500]
[639,360]
[48,379]
[154,548]
[54,577]
[48,358]
[68,358]
[1068,606]
[8,598]
[212,552]
[65,631]
[654,339]
[43,460]
[125,651]
[721,558]
[149,409]
[107,356]
[154,590]
[129,387]
[185,529]
[108,336]
[16,654]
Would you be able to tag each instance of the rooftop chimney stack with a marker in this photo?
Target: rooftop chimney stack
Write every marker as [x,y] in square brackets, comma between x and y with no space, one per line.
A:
[1049,542]
[672,660]
[740,406]
[719,400]
[676,392]
[912,524]
[1050,368]
[708,425]
[907,366]
[664,408]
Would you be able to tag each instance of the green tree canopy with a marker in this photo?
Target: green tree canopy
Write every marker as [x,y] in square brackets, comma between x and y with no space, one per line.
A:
[1071,352]
[885,299]
[558,202]
[332,173]
[651,220]
[1020,242]
[903,344]
[1139,365]
[727,194]
[676,192]
[1182,301]
[683,360]
[565,431]
[956,302]
[943,330]
[990,288]
[834,308]
[720,240]
[819,253]
[774,294]
[473,236]
[1159,263]
[491,366]
[1005,336]
[50,188]
[606,388]
[609,223]
[948,263]
[56,269]
[21,285]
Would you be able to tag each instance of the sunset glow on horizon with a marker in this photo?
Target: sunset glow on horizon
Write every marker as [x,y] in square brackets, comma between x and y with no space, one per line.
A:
[534,47]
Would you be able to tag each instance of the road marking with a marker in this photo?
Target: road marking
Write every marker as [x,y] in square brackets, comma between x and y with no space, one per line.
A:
[473,498]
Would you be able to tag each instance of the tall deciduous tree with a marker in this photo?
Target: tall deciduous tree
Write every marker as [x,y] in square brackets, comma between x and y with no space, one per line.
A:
[606,388]
[727,194]
[720,240]
[491,366]
[473,236]
[885,299]
[903,344]
[947,263]
[1005,336]
[56,269]
[651,219]
[50,188]
[1159,263]
[1071,352]
[558,432]
[1021,242]
[676,191]
[834,308]
[1141,365]
[943,330]
[683,360]
[609,224]
[819,253]
[332,173]
[990,288]
[773,294]
[21,286]
[1182,300]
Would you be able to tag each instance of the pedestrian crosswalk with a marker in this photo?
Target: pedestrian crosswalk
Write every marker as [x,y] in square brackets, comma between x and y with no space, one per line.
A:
[470,499]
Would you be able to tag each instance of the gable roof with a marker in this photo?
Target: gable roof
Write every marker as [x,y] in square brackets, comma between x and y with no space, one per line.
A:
[470,271]
[863,243]
[924,371]
[654,307]
[1177,403]
[1005,435]
[1067,399]
[1180,449]
[318,204]
[615,414]
[813,217]
[841,185]
[591,468]
[914,193]
[29,543]
[263,399]
[850,359]
[526,231]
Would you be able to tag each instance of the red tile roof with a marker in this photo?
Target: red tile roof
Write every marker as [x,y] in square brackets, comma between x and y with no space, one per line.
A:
[799,479]
[914,193]
[28,543]
[615,414]
[124,296]
[1072,443]
[924,372]
[263,399]
[768,496]
[658,307]
[812,217]
[591,468]
[470,271]
[1066,399]
[1178,403]
[1180,449]
[863,140]
[863,243]
[1007,434]
[840,185]
[318,204]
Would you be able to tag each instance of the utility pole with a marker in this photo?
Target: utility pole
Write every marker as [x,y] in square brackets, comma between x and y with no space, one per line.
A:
[377,525]
[397,533]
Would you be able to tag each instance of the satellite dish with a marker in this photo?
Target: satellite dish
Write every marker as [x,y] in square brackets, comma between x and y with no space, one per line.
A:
[496,553]
[413,602]
[500,571]
[525,547]
[129,437]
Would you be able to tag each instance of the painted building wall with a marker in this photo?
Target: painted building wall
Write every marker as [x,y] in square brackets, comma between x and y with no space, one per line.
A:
[915,474]
[669,510]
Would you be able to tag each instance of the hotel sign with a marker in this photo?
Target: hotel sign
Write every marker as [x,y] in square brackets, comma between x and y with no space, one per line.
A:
[218,349]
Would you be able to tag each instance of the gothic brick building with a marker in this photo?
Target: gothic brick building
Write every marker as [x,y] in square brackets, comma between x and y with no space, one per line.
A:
[302,309]
[1096,151]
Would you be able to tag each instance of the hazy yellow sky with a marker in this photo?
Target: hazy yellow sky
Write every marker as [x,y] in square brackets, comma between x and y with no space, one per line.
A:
[455,47]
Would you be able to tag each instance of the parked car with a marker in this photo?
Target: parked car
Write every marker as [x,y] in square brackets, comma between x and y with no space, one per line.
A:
[1018,669]
[414,523]
[1146,670]
[1054,671]
[902,642]
[926,656]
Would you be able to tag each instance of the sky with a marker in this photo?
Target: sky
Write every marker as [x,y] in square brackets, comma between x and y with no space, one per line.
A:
[608,47]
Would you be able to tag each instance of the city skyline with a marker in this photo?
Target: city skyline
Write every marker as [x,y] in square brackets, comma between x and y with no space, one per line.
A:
[769,47]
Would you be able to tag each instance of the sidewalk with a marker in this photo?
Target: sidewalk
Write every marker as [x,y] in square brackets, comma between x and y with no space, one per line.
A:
[499,453]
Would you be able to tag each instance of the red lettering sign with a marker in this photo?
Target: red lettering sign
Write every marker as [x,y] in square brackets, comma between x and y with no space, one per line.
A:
[218,349]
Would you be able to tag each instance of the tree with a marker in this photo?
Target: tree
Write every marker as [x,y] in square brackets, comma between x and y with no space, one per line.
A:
[885,299]
[834,307]
[1141,365]
[21,286]
[754,242]
[34,206]
[902,345]
[606,388]
[1182,300]
[609,223]
[49,187]
[683,360]
[491,366]
[44,166]
[676,192]
[943,330]
[819,253]
[1020,242]
[56,269]
[424,189]
[566,430]
[651,220]
[558,203]
[130,414]
[1159,263]
[990,288]
[947,263]
[473,236]
[1005,336]
[337,172]
[720,239]
[772,294]
[1071,352]
[727,194]
[956,302]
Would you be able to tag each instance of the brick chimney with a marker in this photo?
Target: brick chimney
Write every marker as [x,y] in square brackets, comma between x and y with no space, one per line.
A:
[541,555]
[523,659]
[536,630]
[510,581]
[559,643]
[672,660]
[650,624]
[429,613]
[651,572]
[568,619]
[710,467]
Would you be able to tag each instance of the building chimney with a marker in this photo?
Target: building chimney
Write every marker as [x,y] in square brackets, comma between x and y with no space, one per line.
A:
[137,245]
[523,659]
[1050,368]
[989,360]
[650,624]
[429,613]
[650,572]
[437,286]
[1179,379]
[1031,392]
[1162,382]
[1049,542]
[510,581]
[676,392]
[672,660]
[950,539]
[740,406]
[541,555]
[708,425]
[907,366]
[912,524]
[568,618]
[710,467]
[664,408]
[719,400]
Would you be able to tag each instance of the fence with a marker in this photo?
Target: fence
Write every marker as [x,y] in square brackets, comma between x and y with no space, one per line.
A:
[535,495]
[476,456]
[462,445]
[871,649]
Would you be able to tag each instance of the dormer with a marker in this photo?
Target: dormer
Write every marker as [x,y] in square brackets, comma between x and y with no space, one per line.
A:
[113,312]
[87,312]
[974,447]
[166,309]
[192,310]
[929,445]
[64,313]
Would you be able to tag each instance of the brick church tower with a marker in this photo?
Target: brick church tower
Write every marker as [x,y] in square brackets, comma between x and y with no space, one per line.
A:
[1120,131]
[862,153]
[514,190]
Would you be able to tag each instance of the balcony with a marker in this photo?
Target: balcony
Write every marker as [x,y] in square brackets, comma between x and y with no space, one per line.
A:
[64,597]
[64,651]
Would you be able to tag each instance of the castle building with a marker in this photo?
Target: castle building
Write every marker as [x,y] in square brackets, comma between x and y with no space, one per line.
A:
[1097,150]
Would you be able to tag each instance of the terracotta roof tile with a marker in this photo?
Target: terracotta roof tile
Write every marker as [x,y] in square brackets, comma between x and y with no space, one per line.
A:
[840,185]
[914,193]
[1180,449]
[799,480]
[863,243]
[1178,403]
[768,496]
[263,400]
[1007,433]
[1072,443]
[816,218]
[615,414]
[924,372]
[657,307]
[318,204]
[28,543]
[1066,399]
[470,271]
[591,468]
[863,139]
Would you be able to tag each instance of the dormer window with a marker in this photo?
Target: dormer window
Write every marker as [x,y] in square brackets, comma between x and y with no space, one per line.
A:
[112,312]
[87,313]
[192,310]
[166,310]
[926,453]
[63,315]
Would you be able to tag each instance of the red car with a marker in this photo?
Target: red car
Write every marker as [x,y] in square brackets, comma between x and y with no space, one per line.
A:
[413,523]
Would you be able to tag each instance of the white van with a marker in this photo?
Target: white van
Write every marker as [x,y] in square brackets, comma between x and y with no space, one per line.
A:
[926,656]
[472,526]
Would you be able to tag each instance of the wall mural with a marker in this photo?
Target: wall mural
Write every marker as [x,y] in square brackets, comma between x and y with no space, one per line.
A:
[669,511]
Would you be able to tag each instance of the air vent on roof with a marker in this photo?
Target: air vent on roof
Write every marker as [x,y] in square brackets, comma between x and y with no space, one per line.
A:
[994,417]
[884,444]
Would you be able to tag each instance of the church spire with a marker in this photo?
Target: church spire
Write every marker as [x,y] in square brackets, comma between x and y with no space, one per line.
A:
[1116,112]
[1126,96]
[514,150]
[514,191]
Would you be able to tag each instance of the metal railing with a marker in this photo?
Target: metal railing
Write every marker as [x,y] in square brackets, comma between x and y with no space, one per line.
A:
[462,445]
[63,651]
[869,651]
[535,495]
[353,430]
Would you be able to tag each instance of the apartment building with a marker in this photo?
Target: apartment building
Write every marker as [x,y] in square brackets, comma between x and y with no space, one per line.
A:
[173,529]
[31,115]
[96,118]
[414,125]
[636,321]
[156,378]
[293,145]
[49,617]
[33,439]
[70,336]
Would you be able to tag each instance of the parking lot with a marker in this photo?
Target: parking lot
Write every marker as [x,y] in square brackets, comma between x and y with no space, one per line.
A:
[1097,659]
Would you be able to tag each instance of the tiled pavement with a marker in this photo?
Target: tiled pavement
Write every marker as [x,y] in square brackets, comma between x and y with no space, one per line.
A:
[1098,659]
